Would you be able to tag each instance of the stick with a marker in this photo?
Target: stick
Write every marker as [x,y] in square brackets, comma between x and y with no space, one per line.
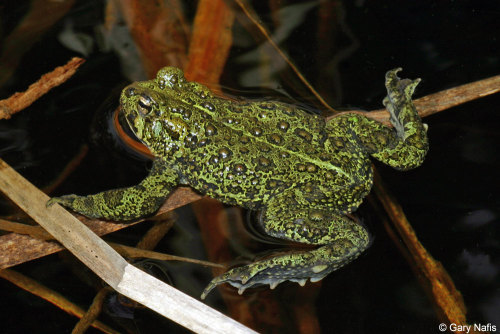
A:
[109,265]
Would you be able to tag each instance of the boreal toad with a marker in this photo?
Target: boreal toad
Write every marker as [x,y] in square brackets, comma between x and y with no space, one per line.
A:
[303,174]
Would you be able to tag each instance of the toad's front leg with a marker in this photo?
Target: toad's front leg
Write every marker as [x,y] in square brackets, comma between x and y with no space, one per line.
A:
[126,203]
[341,240]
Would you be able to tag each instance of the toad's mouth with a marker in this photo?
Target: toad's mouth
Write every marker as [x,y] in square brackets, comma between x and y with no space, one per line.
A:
[135,106]
[135,124]
[132,120]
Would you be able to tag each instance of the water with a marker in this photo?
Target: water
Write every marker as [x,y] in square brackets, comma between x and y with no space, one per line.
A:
[344,49]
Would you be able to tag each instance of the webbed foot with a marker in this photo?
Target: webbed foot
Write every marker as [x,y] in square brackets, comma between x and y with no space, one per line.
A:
[295,267]
[398,99]
[250,276]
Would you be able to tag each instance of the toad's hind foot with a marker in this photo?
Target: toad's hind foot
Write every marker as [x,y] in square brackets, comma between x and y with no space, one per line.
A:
[398,100]
[295,267]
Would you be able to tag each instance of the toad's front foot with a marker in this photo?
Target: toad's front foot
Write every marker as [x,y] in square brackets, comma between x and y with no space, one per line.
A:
[65,200]
[74,202]
[91,206]
[294,267]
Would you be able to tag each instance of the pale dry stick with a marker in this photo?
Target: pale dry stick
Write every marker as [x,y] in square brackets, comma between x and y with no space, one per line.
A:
[129,252]
[51,296]
[109,265]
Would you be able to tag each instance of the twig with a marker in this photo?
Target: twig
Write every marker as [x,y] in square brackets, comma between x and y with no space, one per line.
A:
[92,313]
[132,252]
[70,167]
[19,101]
[109,265]
[19,248]
[16,249]
[253,17]
[445,99]
[160,228]
[40,17]
[447,298]
[51,296]
[455,96]
[34,231]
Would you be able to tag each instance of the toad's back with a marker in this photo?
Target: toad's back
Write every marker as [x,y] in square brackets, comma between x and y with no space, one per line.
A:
[244,152]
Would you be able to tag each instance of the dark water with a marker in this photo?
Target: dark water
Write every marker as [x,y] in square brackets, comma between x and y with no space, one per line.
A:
[452,200]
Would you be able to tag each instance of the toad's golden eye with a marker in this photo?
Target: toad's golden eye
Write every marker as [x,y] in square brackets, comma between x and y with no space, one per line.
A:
[145,104]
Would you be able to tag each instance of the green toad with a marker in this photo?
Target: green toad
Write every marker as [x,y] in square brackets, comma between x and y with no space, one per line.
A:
[302,174]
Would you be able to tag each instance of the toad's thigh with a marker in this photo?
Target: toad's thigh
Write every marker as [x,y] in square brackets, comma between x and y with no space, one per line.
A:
[285,218]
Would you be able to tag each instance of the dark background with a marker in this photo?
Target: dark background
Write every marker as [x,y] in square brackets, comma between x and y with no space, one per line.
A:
[452,200]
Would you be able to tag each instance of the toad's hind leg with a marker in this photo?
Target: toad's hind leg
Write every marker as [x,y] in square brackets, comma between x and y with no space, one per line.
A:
[402,147]
[340,241]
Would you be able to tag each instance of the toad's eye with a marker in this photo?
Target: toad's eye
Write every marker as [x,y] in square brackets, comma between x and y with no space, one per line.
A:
[145,104]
